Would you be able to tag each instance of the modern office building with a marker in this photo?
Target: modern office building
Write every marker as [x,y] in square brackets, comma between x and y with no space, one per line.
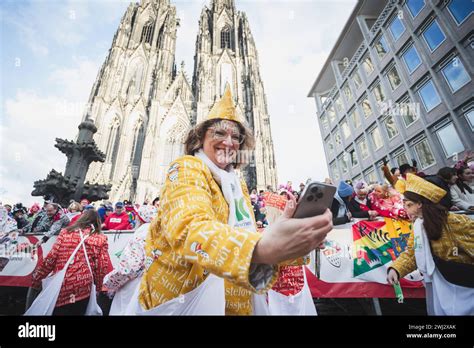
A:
[398,84]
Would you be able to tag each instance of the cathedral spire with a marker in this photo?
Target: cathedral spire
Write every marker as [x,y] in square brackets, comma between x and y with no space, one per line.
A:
[218,4]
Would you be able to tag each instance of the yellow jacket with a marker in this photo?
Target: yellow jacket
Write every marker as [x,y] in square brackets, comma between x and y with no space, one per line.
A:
[458,246]
[400,185]
[193,217]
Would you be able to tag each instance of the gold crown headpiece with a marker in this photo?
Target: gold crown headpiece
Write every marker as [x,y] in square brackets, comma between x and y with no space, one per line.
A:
[424,188]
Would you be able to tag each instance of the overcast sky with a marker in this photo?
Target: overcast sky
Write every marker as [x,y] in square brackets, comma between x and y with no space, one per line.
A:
[52,50]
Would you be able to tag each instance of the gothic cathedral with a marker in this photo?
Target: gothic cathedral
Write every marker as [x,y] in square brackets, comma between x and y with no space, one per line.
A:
[143,106]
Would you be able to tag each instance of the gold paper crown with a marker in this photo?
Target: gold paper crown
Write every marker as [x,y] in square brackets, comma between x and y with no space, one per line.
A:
[225,108]
[424,188]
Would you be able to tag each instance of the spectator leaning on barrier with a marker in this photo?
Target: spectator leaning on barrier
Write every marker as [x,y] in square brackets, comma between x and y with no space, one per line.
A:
[50,221]
[445,178]
[74,212]
[76,287]
[463,191]
[118,220]
[360,206]
[18,213]
[34,209]
[341,214]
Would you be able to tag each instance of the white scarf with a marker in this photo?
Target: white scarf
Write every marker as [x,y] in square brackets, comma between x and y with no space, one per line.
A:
[423,256]
[239,213]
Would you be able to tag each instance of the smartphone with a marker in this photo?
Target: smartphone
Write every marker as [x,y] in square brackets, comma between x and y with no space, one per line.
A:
[314,200]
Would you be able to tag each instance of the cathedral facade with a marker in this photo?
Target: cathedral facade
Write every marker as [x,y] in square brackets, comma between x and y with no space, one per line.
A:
[143,106]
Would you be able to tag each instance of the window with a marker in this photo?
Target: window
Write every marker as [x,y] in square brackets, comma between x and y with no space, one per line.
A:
[378,93]
[364,150]
[225,38]
[370,176]
[470,118]
[460,10]
[415,6]
[449,139]
[356,79]
[381,47]
[408,112]
[401,158]
[147,33]
[396,28]
[434,36]
[335,172]
[332,114]
[424,154]
[429,96]
[337,138]
[347,93]
[339,106]
[343,163]
[394,78]
[366,107]
[376,138]
[353,157]
[368,65]
[455,74]
[324,123]
[330,145]
[391,127]
[345,129]
[354,116]
[357,178]
[412,59]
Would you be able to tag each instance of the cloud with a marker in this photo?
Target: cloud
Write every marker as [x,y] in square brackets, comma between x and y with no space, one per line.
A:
[30,125]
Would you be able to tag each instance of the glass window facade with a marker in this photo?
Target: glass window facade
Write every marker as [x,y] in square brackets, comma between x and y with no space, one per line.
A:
[366,107]
[376,138]
[331,114]
[396,28]
[363,148]
[345,129]
[455,74]
[347,93]
[401,158]
[424,154]
[354,116]
[324,122]
[408,112]
[329,145]
[394,78]
[460,9]
[411,58]
[470,118]
[368,65]
[335,172]
[370,176]
[356,79]
[449,139]
[381,47]
[337,138]
[378,93]
[429,96]
[343,164]
[415,6]
[339,106]
[353,156]
[391,127]
[434,36]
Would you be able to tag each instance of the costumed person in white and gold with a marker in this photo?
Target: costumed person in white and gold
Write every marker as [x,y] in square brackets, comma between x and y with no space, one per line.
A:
[442,247]
[203,253]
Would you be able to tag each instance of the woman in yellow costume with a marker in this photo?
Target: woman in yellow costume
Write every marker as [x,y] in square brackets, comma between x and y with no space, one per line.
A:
[204,255]
[441,247]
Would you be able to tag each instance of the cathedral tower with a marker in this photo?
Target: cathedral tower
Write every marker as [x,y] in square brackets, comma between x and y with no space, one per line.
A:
[226,52]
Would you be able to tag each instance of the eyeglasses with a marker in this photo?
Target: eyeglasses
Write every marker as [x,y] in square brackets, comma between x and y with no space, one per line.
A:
[221,134]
